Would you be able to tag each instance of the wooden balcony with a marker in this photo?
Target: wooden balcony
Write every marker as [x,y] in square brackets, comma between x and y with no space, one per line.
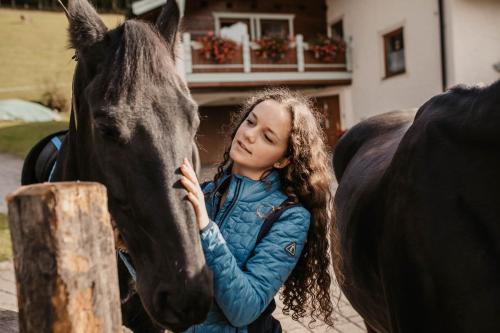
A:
[247,69]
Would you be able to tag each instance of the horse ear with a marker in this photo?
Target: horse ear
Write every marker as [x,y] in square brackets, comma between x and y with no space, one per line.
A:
[168,24]
[85,25]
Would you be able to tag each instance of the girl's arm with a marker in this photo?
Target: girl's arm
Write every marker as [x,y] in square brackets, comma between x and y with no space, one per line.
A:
[244,295]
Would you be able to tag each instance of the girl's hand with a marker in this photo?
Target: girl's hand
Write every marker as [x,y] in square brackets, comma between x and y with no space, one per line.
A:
[195,194]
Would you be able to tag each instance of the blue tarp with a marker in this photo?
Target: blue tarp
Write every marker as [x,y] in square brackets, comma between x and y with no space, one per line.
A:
[16,109]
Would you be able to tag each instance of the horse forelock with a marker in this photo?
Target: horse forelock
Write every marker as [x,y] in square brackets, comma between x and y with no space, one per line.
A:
[141,63]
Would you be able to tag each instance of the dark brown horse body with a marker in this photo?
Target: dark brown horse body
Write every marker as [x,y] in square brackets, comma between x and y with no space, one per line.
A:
[418,215]
[132,123]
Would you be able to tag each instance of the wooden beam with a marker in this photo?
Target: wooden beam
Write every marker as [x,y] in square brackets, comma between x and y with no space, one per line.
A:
[64,258]
[198,86]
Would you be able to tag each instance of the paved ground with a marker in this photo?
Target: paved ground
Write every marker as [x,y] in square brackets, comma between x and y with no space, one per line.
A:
[10,177]
[8,299]
[348,321]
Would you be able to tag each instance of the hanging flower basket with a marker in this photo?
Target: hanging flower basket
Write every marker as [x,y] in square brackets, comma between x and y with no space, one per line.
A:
[217,49]
[272,48]
[326,48]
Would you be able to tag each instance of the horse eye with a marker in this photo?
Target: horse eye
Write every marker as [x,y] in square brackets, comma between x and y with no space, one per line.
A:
[112,132]
[75,56]
[107,128]
[109,132]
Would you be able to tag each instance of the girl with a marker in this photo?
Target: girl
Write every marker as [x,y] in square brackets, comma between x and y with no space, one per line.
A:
[277,154]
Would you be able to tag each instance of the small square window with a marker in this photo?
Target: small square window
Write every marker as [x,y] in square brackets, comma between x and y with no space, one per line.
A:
[394,53]
[234,29]
[229,22]
[274,28]
[338,30]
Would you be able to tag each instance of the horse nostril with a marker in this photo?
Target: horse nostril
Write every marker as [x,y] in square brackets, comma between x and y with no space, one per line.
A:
[178,307]
[161,304]
[183,303]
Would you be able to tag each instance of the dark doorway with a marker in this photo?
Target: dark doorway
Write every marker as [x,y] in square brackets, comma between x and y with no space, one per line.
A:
[213,131]
[338,30]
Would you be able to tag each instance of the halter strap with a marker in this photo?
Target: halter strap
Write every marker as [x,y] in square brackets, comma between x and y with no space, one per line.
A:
[126,261]
[57,143]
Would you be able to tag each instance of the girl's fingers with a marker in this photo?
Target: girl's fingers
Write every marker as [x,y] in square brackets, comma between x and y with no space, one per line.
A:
[193,187]
[188,171]
[188,163]
[188,184]
[190,187]
[194,201]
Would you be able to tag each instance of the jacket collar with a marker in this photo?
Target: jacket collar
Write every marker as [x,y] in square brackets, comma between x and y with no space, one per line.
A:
[250,189]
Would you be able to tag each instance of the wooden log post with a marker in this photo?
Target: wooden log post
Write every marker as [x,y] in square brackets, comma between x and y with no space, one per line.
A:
[64,258]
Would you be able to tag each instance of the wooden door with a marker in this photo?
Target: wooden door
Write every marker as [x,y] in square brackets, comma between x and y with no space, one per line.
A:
[330,107]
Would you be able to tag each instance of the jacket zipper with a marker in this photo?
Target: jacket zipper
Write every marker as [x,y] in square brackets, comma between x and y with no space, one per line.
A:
[226,213]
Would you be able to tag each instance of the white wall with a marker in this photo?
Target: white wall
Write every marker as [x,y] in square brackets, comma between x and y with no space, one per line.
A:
[472,40]
[366,21]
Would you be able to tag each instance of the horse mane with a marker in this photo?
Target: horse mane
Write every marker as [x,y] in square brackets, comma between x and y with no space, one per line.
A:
[369,129]
[467,113]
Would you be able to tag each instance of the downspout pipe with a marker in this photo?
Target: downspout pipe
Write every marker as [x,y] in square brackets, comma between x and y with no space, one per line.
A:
[442,42]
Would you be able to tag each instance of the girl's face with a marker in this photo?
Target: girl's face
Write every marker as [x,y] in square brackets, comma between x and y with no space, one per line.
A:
[261,141]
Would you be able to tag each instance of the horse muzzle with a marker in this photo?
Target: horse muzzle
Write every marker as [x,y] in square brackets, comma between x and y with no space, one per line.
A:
[180,305]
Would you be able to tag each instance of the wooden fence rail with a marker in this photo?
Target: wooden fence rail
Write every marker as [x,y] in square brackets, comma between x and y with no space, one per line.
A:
[64,258]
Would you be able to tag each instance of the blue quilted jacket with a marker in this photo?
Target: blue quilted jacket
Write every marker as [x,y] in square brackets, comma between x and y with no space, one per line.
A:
[247,277]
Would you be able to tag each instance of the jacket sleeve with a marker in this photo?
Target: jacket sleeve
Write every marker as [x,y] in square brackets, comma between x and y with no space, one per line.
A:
[244,295]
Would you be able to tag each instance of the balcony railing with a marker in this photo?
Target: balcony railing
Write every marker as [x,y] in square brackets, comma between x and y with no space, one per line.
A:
[296,60]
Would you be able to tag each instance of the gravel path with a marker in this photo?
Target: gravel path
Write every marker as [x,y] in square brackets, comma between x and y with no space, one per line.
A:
[10,177]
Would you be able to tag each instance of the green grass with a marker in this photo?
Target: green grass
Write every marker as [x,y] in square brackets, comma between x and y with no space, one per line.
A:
[18,139]
[5,243]
[34,54]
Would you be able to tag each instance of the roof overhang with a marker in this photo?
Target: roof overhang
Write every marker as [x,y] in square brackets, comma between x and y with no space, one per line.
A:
[235,80]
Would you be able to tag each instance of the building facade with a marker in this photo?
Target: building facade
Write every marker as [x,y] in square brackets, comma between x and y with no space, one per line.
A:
[220,87]
[397,55]
[404,52]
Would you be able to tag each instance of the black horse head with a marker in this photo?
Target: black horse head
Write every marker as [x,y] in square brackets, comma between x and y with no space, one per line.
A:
[133,121]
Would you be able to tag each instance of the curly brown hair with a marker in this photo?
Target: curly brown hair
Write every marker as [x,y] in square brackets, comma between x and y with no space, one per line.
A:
[306,179]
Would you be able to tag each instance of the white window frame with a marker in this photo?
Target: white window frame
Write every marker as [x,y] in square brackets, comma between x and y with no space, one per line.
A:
[381,53]
[254,18]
